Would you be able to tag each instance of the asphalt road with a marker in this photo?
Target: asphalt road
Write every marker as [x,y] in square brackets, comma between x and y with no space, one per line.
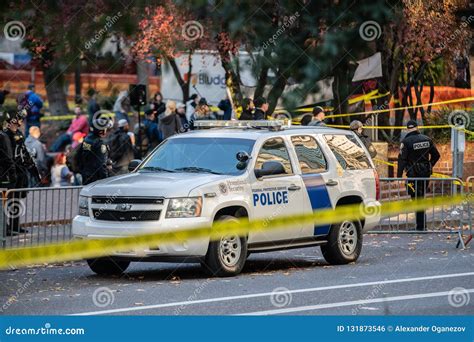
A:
[395,275]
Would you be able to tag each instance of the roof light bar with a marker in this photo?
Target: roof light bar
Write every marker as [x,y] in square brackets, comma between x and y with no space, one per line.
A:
[269,124]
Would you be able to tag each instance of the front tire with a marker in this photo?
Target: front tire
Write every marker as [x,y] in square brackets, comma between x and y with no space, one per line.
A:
[226,257]
[344,243]
[108,266]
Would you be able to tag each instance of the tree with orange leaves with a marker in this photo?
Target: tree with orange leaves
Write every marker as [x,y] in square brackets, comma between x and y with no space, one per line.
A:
[167,32]
[419,46]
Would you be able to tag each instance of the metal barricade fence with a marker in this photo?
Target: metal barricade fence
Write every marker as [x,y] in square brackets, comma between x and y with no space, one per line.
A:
[38,216]
[469,190]
[442,219]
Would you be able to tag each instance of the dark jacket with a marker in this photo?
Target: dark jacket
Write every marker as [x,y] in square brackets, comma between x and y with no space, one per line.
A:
[418,155]
[121,150]
[259,114]
[368,144]
[92,108]
[17,167]
[7,162]
[153,134]
[169,125]
[226,107]
[93,159]
[38,153]
[246,115]
[159,108]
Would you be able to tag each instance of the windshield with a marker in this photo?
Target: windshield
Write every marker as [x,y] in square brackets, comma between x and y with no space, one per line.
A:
[199,155]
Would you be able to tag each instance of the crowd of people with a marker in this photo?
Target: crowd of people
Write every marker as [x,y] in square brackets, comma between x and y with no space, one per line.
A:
[66,162]
[94,146]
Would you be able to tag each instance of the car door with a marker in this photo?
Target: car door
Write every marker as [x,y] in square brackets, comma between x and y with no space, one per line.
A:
[357,170]
[319,179]
[276,195]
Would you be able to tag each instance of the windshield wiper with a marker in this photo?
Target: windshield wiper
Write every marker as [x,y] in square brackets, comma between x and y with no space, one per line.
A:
[155,168]
[197,170]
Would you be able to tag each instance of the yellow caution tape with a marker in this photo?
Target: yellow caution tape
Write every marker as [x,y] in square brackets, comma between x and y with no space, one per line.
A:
[404,127]
[110,115]
[434,104]
[70,117]
[370,96]
[366,98]
[83,249]
[374,94]
[393,127]
[387,110]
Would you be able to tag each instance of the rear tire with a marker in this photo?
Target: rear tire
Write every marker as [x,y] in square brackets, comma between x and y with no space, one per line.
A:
[226,257]
[108,266]
[344,243]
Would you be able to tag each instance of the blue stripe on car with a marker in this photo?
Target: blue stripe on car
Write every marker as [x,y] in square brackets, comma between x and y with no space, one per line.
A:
[319,198]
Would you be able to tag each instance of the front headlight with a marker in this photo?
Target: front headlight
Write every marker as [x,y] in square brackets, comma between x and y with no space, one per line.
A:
[83,206]
[184,207]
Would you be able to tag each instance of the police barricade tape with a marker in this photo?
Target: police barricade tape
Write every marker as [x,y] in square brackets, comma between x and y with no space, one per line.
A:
[70,117]
[379,111]
[385,110]
[110,115]
[366,98]
[83,249]
[404,127]
[393,127]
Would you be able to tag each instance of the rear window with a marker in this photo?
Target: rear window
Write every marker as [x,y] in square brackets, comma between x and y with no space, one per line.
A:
[348,151]
[310,156]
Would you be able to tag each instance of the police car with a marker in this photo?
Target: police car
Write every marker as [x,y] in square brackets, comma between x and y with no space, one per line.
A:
[235,169]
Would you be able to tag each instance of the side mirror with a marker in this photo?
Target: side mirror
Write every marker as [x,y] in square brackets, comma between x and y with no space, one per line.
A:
[134,164]
[242,157]
[270,168]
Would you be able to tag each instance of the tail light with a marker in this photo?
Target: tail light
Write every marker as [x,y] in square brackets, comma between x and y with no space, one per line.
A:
[377,185]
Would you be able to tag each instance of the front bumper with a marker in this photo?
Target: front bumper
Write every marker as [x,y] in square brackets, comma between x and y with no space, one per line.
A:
[84,227]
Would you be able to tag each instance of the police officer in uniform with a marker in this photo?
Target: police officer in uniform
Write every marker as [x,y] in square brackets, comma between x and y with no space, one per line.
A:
[93,154]
[17,168]
[418,155]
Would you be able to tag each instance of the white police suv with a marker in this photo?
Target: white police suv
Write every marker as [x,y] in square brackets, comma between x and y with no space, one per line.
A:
[235,169]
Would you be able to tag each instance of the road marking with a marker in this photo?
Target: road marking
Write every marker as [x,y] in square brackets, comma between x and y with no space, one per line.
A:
[266,294]
[352,303]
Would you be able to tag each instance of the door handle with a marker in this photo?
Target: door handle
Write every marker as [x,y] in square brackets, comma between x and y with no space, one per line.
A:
[331,182]
[294,187]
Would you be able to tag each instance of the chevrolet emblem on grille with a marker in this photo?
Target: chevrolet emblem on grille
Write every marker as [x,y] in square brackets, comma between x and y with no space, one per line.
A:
[123,207]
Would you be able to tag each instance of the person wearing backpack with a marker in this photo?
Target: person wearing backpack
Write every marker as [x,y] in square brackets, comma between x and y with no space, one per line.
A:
[32,104]
[121,148]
